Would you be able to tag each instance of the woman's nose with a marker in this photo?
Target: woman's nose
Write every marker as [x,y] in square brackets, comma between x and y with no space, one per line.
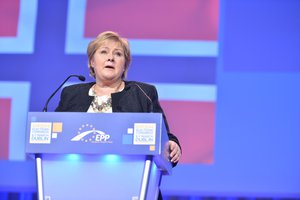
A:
[110,57]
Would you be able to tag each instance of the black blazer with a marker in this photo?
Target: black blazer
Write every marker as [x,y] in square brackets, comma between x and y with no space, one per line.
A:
[134,98]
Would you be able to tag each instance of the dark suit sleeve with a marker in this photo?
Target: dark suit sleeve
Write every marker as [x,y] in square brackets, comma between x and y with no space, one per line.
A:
[75,98]
[158,108]
[63,98]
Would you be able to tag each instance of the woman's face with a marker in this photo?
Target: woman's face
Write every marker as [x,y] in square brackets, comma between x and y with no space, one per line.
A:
[109,62]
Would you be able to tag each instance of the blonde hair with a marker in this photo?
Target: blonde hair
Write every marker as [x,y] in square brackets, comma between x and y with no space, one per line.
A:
[98,42]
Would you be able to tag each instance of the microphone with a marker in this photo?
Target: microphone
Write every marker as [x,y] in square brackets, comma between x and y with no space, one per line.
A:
[82,78]
[150,100]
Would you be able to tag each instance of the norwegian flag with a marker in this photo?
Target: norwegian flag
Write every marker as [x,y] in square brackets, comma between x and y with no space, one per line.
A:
[170,25]
[17,26]
[170,31]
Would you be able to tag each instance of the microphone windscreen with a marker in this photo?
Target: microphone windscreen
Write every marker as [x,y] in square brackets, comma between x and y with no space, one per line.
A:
[82,78]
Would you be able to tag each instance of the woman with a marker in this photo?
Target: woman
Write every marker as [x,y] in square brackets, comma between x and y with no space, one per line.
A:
[108,61]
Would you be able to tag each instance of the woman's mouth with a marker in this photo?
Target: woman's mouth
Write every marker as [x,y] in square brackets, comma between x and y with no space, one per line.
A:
[109,67]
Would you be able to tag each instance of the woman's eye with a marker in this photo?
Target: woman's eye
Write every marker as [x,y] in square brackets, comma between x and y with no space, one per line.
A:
[119,54]
[103,51]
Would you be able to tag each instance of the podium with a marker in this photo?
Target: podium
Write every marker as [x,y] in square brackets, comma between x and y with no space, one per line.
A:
[98,155]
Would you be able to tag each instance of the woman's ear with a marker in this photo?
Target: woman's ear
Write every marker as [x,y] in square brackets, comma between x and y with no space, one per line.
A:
[92,62]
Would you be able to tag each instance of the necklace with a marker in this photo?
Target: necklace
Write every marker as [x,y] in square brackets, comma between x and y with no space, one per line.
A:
[103,103]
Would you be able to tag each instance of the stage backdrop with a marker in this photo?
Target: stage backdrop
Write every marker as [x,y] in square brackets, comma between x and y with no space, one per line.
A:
[227,74]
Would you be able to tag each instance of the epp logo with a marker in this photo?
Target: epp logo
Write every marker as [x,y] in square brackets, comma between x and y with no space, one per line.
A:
[92,135]
[102,137]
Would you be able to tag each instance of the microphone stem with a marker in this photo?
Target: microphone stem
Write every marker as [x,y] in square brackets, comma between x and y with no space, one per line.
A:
[46,105]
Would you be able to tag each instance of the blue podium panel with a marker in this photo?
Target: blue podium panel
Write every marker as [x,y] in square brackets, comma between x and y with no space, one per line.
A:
[92,177]
[98,156]
[121,133]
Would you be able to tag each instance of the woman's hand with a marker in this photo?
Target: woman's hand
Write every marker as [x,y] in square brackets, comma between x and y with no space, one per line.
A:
[175,151]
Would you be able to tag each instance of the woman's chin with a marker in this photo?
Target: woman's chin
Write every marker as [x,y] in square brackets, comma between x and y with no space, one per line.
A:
[109,78]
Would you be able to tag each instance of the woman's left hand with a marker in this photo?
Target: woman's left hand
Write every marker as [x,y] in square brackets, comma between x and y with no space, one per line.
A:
[175,151]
